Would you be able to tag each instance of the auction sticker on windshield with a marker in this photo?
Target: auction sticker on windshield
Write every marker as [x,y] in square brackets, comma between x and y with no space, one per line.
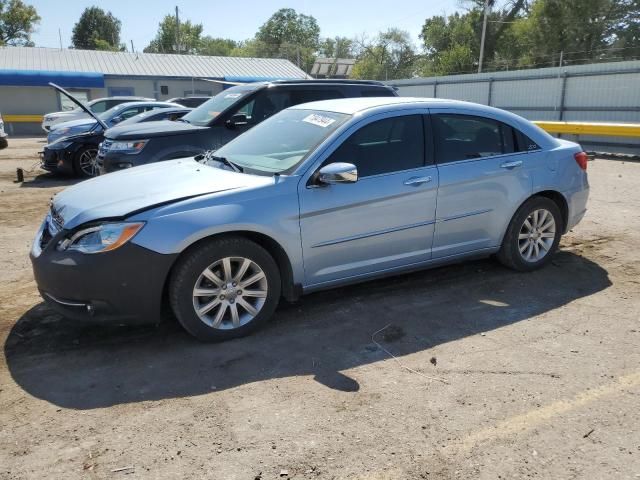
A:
[318,120]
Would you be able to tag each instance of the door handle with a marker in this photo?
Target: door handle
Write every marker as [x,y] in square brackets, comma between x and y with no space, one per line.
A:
[513,164]
[417,180]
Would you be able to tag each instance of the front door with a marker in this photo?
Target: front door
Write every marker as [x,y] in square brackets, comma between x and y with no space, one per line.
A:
[385,219]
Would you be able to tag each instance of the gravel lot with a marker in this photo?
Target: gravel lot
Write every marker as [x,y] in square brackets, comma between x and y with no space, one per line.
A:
[496,374]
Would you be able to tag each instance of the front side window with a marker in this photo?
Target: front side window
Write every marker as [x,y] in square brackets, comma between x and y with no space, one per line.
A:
[205,113]
[465,137]
[281,143]
[264,105]
[389,145]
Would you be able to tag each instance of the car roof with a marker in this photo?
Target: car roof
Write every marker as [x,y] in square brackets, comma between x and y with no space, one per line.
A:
[142,103]
[121,98]
[355,105]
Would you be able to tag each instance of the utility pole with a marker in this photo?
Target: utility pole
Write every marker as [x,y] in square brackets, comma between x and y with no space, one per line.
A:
[484,33]
[60,37]
[133,50]
[177,31]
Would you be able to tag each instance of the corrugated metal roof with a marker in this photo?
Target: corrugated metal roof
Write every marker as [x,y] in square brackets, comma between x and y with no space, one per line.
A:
[144,64]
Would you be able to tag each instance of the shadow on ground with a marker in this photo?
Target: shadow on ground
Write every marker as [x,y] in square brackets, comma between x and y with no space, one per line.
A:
[85,367]
[47,180]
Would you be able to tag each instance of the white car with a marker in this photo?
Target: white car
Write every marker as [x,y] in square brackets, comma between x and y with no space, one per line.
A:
[3,135]
[99,105]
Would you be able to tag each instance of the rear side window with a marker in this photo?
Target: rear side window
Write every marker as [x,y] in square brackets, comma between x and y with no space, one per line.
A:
[465,137]
[377,92]
[524,143]
[386,146]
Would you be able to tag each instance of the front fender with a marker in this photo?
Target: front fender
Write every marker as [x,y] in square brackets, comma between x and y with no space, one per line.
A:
[173,228]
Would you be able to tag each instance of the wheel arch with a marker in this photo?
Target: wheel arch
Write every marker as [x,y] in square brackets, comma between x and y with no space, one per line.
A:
[290,291]
[560,200]
[553,195]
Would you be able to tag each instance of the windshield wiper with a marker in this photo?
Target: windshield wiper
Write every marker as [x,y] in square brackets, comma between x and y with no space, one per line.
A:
[210,155]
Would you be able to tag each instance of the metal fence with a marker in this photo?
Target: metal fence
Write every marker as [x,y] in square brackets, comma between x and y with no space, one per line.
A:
[600,92]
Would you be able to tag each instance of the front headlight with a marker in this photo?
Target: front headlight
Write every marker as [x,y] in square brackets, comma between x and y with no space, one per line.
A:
[133,146]
[101,238]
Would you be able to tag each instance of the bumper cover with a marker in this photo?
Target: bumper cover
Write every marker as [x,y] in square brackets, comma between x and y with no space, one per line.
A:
[58,161]
[122,286]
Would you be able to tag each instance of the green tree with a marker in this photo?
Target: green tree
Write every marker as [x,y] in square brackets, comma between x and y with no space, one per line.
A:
[166,40]
[96,30]
[452,43]
[289,34]
[17,22]
[584,30]
[390,55]
[337,47]
[221,47]
[248,48]
[532,33]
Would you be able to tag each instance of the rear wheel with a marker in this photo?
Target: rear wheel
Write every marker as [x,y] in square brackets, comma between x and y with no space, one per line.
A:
[225,288]
[533,235]
[86,162]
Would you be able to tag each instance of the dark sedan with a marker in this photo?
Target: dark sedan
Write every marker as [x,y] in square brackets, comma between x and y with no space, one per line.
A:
[77,154]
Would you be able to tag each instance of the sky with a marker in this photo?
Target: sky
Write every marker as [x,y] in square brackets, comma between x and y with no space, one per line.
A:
[238,19]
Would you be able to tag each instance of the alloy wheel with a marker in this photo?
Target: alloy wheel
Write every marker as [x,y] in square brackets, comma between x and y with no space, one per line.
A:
[537,234]
[89,162]
[230,293]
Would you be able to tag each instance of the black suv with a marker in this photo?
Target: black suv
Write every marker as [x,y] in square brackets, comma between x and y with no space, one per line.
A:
[221,119]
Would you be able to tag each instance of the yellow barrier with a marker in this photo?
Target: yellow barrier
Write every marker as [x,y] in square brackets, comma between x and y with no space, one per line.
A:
[22,118]
[599,129]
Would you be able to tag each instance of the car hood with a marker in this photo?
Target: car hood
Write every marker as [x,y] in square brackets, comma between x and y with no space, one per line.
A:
[120,194]
[67,113]
[161,128]
[81,124]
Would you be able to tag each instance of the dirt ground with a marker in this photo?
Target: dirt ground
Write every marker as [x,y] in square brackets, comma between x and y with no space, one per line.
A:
[495,374]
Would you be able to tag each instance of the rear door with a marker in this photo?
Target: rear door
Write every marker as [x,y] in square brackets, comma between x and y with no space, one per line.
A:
[385,220]
[483,177]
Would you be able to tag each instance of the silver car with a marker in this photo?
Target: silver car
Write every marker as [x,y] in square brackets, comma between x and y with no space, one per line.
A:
[319,195]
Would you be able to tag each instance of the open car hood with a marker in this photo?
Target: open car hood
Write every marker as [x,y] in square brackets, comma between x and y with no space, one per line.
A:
[80,104]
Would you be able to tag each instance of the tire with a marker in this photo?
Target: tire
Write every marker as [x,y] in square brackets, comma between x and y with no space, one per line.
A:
[199,281]
[3,143]
[79,162]
[527,249]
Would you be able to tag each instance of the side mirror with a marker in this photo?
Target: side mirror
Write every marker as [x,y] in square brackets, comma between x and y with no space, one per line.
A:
[116,120]
[338,173]
[238,120]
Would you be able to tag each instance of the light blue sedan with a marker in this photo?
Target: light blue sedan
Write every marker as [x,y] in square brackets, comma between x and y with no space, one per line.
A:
[319,195]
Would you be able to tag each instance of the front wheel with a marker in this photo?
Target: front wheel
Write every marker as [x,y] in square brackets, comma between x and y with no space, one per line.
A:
[225,288]
[85,163]
[532,236]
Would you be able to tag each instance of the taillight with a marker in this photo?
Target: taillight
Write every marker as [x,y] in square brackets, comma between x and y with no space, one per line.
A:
[581,159]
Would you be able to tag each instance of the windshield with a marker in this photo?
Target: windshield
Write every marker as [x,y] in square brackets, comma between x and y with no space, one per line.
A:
[210,109]
[282,142]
